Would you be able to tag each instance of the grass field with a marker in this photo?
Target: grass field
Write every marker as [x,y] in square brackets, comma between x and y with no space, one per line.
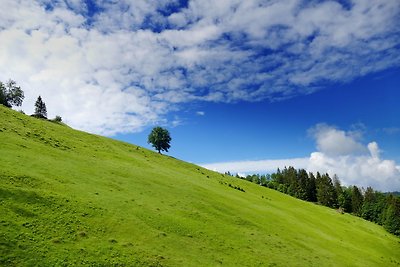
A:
[71,198]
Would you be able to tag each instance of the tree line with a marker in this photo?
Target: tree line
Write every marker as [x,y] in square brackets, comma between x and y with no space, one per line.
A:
[12,95]
[369,204]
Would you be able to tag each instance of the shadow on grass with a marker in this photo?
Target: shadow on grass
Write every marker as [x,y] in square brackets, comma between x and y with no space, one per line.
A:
[22,196]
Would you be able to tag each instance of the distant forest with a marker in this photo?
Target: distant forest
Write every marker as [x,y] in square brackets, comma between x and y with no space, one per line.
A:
[372,205]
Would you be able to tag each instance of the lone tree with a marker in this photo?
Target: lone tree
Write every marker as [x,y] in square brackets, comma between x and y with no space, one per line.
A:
[40,109]
[159,138]
[11,94]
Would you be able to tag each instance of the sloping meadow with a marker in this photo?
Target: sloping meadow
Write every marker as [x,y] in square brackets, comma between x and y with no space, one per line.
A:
[72,198]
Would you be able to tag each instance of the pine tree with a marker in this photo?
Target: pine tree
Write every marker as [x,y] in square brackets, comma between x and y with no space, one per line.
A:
[40,108]
[367,210]
[302,184]
[356,200]
[291,181]
[338,192]
[326,193]
[391,215]
[311,188]
[278,177]
[345,200]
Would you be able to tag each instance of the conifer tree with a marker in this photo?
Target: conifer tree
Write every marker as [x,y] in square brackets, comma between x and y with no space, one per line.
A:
[40,108]
[338,192]
[291,181]
[367,211]
[391,215]
[345,200]
[302,185]
[356,200]
[311,188]
[326,193]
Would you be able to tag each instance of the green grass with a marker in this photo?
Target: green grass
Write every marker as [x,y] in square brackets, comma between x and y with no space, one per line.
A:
[71,198]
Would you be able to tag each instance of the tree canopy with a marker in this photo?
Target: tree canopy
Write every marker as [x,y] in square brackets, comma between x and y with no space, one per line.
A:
[160,139]
[11,94]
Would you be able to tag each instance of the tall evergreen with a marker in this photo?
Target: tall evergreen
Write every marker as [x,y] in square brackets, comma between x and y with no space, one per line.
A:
[356,200]
[291,180]
[326,194]
[337,185]
[40,108]
[345,200]
[311,188]
[302,184]
[373,206]
[340,194]
[368,208]
[391,215]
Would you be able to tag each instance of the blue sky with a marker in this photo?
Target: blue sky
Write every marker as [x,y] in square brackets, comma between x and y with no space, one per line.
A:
[246,86]
[260,130]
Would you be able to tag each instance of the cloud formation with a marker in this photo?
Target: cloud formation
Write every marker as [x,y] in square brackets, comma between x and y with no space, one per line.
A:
[356,163]
[338,152]
[335,142]
[115,67]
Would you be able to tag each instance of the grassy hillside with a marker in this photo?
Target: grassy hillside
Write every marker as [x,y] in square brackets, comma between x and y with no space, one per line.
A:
[71,198]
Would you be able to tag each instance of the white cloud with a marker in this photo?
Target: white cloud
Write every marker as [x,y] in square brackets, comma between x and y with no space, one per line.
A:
[363,169]
[356,164]
[128,64]
[334,142]
[200,113]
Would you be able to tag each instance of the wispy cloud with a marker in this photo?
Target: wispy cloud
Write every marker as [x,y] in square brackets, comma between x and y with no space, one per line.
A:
[256,166]
[392,130]
[116,67]
[338,152]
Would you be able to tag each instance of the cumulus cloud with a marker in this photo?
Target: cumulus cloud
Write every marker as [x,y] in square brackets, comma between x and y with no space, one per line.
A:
[109,67]
[339,152]
[335,142]
[365,167]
